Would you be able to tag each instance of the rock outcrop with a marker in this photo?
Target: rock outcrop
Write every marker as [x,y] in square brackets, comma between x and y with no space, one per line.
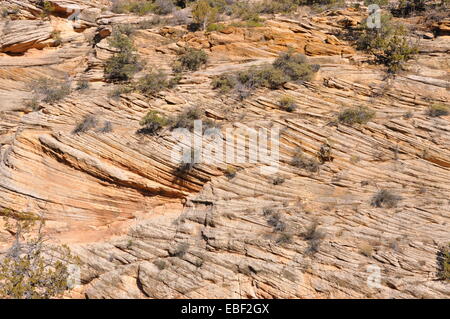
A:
[143,230]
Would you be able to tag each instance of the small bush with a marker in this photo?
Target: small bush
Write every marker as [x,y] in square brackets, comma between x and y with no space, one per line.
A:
[82,85]
[287,103]
[385,199]
[152,83]
[443,259]
[437,110]
[278,180]
[308,163]
[125,63]
[215,27]
[389,44]
[276,222]
[314,236]
[48,90]
[186,118]
[284,238]
[203,13]
[230,172]
[180,250]
[356,115]
[288,67]
[191,59]
[163,6]
[295,66]
[224,83]
[152,122]
[135,6]
[89,122]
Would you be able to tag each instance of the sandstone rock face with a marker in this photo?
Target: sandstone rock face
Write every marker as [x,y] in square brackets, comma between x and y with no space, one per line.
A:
[144,231]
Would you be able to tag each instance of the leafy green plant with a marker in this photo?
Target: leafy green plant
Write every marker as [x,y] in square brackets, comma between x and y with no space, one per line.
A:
[203,13]
[287,103]
[192,59]
[152,122]
[152,82]
[356,115]
[389,44]
[28,270]
[289,66]
[125,62]
[186,118]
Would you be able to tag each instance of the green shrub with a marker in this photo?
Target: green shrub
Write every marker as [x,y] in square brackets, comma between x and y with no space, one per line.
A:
[288,67]
[124,63]
[385,198]
[152,122]
[359,115]
[295,66]
[136,6]
[215,27]
[203,13]
[31,268]
[287,103]
[152,83]
[224,82]
[230,172]
[389,44]
[186,118]
[380,3]
[191,59]
[437,110]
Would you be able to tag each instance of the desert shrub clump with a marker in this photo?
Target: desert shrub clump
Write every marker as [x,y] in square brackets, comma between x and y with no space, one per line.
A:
[152,122]
[49,90]
[152,82]
[186,118]
[389,44]
[356,115]
[300,160]
[287,103]
[191,59]
[314,235]
[436,110]
[31,269]
[385,199]
[125,62]
[443,259]
[289,66]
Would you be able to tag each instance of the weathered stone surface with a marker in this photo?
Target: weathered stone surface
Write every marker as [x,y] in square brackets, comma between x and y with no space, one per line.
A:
[143,231]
